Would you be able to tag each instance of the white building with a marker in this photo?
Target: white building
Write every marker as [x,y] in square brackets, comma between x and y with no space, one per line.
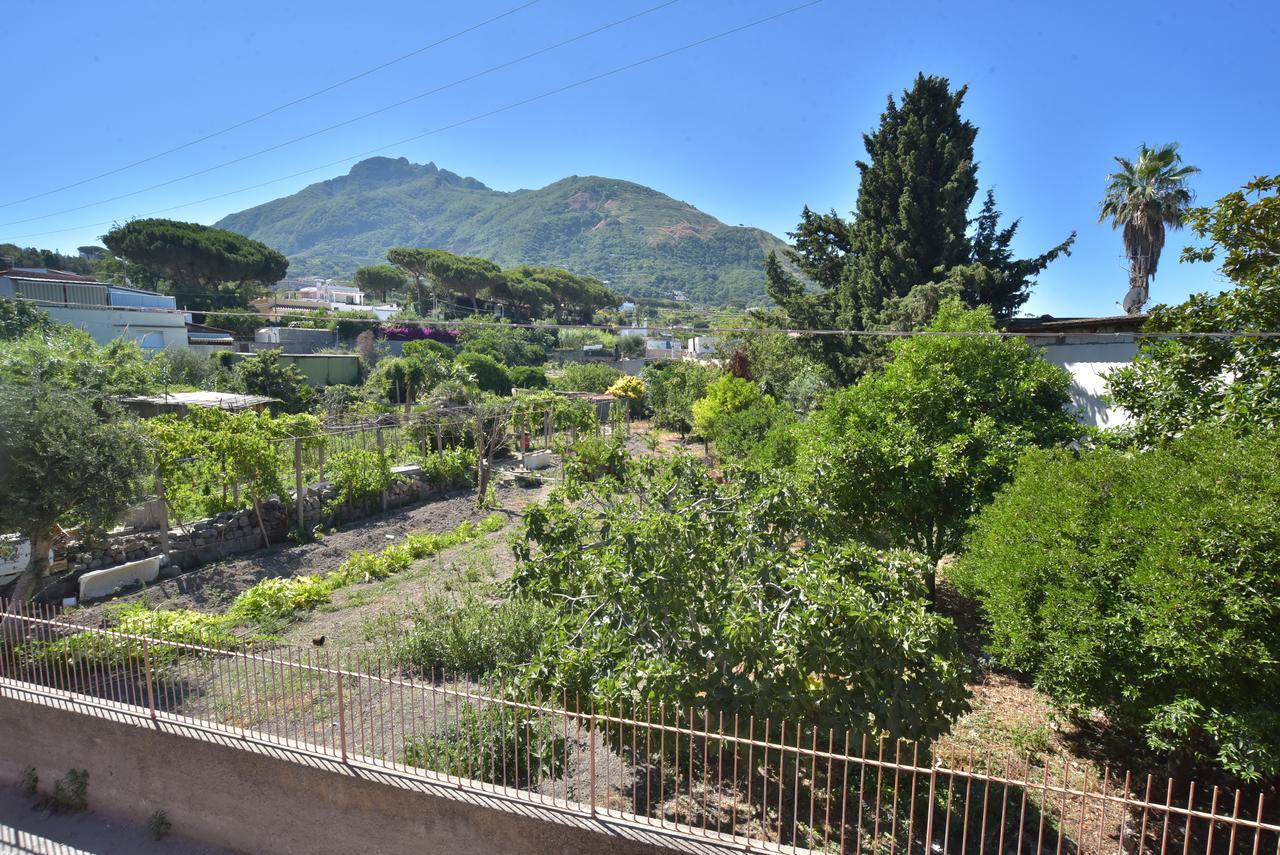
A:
[103,310]
[1089,349]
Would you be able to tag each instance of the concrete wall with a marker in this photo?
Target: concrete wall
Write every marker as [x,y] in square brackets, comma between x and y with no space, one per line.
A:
[249,797]
[320,369]
[102,583]
[106,324]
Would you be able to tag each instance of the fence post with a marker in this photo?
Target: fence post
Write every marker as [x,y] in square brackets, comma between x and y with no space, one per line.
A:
[382,453]
[146,664]
[342,716]
[933,789]
[591,743]
[297,479]
[439,437]
[546,429]
[164,515]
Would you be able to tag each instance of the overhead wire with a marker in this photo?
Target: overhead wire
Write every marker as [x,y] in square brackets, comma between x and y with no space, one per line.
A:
[461,122]
[679,329]
[272,111]
[345,122]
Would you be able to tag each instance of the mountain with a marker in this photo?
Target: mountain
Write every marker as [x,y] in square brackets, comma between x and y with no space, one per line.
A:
[644,243]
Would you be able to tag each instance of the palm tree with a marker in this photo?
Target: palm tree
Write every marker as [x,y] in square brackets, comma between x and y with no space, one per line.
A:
[1144,197]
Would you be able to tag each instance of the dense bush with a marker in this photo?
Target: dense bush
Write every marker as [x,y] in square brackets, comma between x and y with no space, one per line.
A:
[428,347]
[1176,383]
[676,589]
[359,474]
[490,375]
[528,377]
[909,453]
[593,457]
[511,346]
[264,374]
[449,468]
[759,434]
[673,387]
[1147,585]
[595,377]
[725,395]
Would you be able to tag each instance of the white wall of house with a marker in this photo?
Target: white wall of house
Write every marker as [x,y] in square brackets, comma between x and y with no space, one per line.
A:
[152,330]
[1088,358]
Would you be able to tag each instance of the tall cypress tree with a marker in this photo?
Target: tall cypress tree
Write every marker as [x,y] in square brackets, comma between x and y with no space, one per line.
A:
[909,244]
[914,196]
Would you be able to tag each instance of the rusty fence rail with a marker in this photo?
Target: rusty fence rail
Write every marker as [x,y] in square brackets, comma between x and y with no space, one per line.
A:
[738,780]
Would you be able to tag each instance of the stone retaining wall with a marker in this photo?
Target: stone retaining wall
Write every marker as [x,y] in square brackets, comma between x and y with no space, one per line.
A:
[231,532]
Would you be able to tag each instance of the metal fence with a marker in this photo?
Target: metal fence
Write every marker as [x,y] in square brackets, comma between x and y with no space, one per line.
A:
[738,780]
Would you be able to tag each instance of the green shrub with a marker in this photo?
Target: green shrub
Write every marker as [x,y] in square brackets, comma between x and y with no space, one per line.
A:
[529,377]
[671,588]
[595,377]
[471,638]
[428,347]
[906,456]
[358,475]
[672,390]
[448,469]
[594,457]
[490,374]
[1146,585]
[496,744]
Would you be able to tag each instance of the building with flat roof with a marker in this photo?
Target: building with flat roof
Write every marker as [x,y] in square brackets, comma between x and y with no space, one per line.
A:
[102,309]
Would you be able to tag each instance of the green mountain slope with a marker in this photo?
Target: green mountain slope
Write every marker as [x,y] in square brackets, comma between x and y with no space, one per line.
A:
[643,242]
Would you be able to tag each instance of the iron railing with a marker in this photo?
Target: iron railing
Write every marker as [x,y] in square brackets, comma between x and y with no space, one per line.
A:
[735,779]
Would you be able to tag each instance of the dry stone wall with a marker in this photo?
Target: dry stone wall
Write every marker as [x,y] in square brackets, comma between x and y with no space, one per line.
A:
[232,532]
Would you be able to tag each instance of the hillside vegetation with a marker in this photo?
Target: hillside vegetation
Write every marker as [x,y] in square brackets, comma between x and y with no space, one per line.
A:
[643,242]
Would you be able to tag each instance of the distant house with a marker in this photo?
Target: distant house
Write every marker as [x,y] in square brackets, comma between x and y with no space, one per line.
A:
[1089,349]
[105,311]
[299,296]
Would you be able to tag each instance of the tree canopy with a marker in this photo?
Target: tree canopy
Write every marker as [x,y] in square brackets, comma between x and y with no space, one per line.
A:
[65,456]
[204,267]
[1143,198]
[380,279]
[907,454]
[1176,383]
[911,241]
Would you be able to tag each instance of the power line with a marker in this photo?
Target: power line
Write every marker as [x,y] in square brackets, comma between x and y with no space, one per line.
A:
[345,122]
[686,331]
[475,118]
[277,108]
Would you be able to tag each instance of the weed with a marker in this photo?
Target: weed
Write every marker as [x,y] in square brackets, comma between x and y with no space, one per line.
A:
[496,744]
[158,825]
[472,638]
[27,785]
[71,791]
[1032,741]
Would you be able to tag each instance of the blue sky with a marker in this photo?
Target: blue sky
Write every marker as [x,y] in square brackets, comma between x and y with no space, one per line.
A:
[749,128]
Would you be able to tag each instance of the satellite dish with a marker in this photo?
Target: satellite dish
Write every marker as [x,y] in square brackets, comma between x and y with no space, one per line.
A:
[1134,300]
